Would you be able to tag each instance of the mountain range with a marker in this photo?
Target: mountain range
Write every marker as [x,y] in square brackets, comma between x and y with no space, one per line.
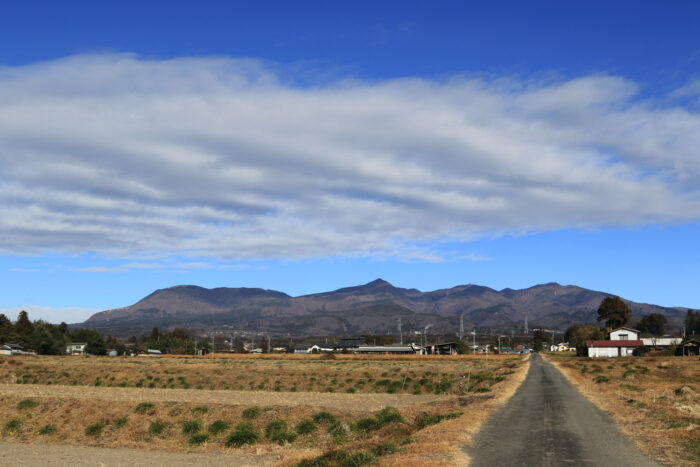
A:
[373,308]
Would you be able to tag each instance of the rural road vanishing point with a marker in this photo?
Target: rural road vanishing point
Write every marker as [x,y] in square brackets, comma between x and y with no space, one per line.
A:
[548,422]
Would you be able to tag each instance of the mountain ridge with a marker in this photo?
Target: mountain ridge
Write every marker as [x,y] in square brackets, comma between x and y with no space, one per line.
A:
[374,307]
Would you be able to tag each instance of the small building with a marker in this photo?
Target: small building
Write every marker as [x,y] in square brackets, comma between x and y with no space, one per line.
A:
[612,348]
[444,348]
[393,349]
[76,348]
[5,350]
[663,341]
[562,347]
[691,347]
[112,352]
[307,347]
[349,344]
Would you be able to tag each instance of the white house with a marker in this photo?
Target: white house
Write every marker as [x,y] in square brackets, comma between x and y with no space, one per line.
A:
[624,334]
[76,348]
[622,343]
[5,350]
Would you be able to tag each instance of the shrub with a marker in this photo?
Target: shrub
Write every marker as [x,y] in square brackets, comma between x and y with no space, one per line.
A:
[242,435]
[482,389]
[190,427]
[157,428]
[47,429]
[27,404]
[120,422]
[197,439]
[601,379]
[275,426]
[218,426]
[384,449]
[277,431]
[201,409]
[339,458]
[145,408]
[367,424]
[389,415]
[337,431]
[94,429]
[305,427]
[13,425]
[324,417]
[251,413]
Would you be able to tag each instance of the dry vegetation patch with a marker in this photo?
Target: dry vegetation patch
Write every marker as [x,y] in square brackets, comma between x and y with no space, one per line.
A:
[654,400]
[381,421]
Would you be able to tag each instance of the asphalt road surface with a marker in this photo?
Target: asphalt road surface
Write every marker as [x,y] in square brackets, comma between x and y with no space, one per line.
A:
[548,422]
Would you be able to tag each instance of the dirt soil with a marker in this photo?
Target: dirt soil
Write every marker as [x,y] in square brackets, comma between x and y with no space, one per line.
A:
[368,402]
[48,455]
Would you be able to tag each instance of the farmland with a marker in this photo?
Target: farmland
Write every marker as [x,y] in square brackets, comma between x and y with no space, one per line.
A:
[654,400]
[290,408]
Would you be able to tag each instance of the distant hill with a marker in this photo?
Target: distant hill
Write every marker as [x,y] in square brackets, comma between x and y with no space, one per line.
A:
[371,308]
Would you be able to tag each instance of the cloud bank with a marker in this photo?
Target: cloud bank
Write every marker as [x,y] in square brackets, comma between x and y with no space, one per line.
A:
[230,158]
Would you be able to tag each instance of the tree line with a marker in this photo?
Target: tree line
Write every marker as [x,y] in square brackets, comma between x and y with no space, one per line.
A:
[46,338]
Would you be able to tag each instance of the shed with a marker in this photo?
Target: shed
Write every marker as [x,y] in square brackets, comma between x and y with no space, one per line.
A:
[691,347]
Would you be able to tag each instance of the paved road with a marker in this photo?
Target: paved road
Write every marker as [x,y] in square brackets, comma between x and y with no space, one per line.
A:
[549,423]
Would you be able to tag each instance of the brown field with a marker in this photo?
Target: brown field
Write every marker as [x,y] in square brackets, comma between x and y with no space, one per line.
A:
[654,400]
[281,373]
[68,400]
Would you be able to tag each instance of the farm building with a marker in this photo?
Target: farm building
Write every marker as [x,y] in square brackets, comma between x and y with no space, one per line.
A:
[76,348]
[310,347]
[663,341]
[691,347]
[5,350]
[349,344]
[444,348]
[388,349]
[622,343]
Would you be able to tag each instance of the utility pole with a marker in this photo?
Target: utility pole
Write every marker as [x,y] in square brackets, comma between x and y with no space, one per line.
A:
[268,343]
[461,326]
[474,340]
[400,333]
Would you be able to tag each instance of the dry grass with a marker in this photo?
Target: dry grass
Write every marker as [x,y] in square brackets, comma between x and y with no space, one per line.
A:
[654,400]
[277,372]
[69,410]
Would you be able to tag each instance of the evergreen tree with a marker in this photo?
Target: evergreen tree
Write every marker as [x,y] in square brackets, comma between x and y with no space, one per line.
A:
[614,312]
[692,323]
[23,326]
[654,324]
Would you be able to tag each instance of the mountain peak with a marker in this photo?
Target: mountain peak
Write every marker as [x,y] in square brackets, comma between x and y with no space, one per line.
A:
[378,282]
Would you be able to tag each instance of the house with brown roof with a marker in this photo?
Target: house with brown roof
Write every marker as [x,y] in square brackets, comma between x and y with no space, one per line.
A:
[622,343]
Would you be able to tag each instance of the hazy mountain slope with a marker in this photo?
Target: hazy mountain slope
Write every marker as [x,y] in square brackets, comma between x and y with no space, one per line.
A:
[371,308]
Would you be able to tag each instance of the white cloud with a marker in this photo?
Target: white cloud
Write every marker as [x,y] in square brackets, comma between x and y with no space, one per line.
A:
[214,156]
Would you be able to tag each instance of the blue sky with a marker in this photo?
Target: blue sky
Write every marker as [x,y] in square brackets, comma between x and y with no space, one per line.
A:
[306,146]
